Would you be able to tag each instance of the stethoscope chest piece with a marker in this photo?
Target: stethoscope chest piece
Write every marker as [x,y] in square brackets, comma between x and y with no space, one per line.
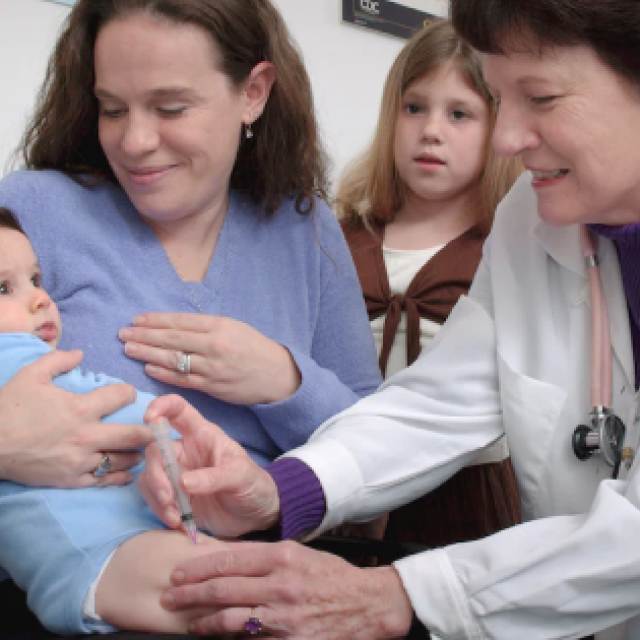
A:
[605,436]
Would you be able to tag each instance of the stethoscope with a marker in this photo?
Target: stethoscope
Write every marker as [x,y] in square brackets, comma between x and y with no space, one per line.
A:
[605,436]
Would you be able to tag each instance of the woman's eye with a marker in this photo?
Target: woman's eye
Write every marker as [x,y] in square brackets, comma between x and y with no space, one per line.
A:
[36,280]
[5,289]
[459,114]
[111,113]
[171,111]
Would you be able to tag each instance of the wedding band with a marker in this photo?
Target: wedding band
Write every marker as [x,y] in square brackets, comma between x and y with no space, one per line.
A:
[184,363]
[253,624]
[104,467]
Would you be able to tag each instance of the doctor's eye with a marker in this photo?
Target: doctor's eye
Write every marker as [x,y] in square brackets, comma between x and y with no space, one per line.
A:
[542,100]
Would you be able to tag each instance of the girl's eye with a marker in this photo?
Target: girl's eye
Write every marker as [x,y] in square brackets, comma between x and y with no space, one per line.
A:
[412,109]
[542,99]
[36,280]
[5,289]
[459,114]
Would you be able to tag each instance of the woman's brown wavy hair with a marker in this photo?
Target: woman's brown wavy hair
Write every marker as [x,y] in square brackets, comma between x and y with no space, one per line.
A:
[284,158]
[371,191]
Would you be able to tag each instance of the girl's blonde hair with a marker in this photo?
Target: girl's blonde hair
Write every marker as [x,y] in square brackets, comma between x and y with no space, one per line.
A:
[371,192]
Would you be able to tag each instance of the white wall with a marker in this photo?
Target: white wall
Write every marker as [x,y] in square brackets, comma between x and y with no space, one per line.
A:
[347,65]
[28,29]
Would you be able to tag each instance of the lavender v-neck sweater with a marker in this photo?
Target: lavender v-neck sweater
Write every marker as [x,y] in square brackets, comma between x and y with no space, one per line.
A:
[302,503]
[290,276]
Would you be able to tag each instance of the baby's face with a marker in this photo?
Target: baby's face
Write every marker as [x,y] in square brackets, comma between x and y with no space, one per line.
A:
[25,307]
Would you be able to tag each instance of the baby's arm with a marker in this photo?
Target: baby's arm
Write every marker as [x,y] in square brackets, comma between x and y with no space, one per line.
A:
[129,591]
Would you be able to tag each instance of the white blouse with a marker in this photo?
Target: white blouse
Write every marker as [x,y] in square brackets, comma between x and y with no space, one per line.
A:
[402,266]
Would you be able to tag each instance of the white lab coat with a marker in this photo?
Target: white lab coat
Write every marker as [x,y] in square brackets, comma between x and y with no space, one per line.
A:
[514,356]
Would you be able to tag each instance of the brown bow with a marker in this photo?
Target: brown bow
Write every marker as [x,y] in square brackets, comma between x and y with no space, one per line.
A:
[431,294]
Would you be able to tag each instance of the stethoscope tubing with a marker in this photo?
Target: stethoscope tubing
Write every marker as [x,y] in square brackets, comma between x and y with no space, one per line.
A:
[606,427]
[600,332]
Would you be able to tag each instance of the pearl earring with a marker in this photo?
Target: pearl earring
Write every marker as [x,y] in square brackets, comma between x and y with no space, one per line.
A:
[248,131]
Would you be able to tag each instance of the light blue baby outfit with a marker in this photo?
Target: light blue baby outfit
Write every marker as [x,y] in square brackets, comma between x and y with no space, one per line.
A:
[54,542]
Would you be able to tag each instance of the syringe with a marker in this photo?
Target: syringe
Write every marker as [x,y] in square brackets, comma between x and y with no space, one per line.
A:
[161,430]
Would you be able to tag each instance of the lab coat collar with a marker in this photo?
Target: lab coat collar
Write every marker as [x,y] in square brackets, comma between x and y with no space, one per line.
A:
[563,245]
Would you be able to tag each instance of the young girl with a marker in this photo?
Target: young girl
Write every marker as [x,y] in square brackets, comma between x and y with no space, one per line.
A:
[416,209]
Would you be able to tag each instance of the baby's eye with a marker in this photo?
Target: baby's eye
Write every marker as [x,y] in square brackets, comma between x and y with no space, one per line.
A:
[459,114]
[36,280]
[5,288]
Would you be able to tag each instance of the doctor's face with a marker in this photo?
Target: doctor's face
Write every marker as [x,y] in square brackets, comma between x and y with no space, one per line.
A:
[576,125]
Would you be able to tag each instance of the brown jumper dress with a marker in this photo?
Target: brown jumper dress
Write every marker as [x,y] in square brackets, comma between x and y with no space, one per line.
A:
[480,499]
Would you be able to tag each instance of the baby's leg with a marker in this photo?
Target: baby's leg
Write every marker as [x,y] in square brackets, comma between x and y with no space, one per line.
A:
[129,591]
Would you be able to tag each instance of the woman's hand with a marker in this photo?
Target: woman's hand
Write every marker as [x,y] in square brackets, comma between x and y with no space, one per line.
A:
[296,592]
[229,359]
[230,494]
[49,437]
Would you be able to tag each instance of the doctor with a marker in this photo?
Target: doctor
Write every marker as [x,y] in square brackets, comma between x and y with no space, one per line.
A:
[527,353]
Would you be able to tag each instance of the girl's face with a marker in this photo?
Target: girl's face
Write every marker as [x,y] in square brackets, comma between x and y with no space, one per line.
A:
[169,120]
[441,136]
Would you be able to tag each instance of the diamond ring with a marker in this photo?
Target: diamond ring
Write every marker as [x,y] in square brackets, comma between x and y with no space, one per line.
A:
[104,467]
[184,363]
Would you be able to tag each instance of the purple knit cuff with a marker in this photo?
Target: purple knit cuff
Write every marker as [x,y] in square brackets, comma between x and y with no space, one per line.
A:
[302,503]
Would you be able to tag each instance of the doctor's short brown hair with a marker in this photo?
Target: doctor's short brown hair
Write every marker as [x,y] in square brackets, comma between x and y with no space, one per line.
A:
[610,27]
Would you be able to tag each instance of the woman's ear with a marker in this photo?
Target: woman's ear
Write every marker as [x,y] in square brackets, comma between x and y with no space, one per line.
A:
[256,90]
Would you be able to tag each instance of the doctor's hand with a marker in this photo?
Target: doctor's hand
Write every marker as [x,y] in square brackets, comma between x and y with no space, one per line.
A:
[294,591]
[230,494]
[229,359]
[53,438]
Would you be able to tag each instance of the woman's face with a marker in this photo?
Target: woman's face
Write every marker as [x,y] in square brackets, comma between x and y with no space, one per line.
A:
[576,125]
[170,121]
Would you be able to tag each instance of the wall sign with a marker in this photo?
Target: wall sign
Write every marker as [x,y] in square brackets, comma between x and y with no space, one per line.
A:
[384,15]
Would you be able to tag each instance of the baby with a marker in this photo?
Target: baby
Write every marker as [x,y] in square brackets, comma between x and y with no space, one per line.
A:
[93,559]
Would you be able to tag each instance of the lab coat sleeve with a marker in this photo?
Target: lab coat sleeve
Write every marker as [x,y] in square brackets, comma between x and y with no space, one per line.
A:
[560,577]
[423,425]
